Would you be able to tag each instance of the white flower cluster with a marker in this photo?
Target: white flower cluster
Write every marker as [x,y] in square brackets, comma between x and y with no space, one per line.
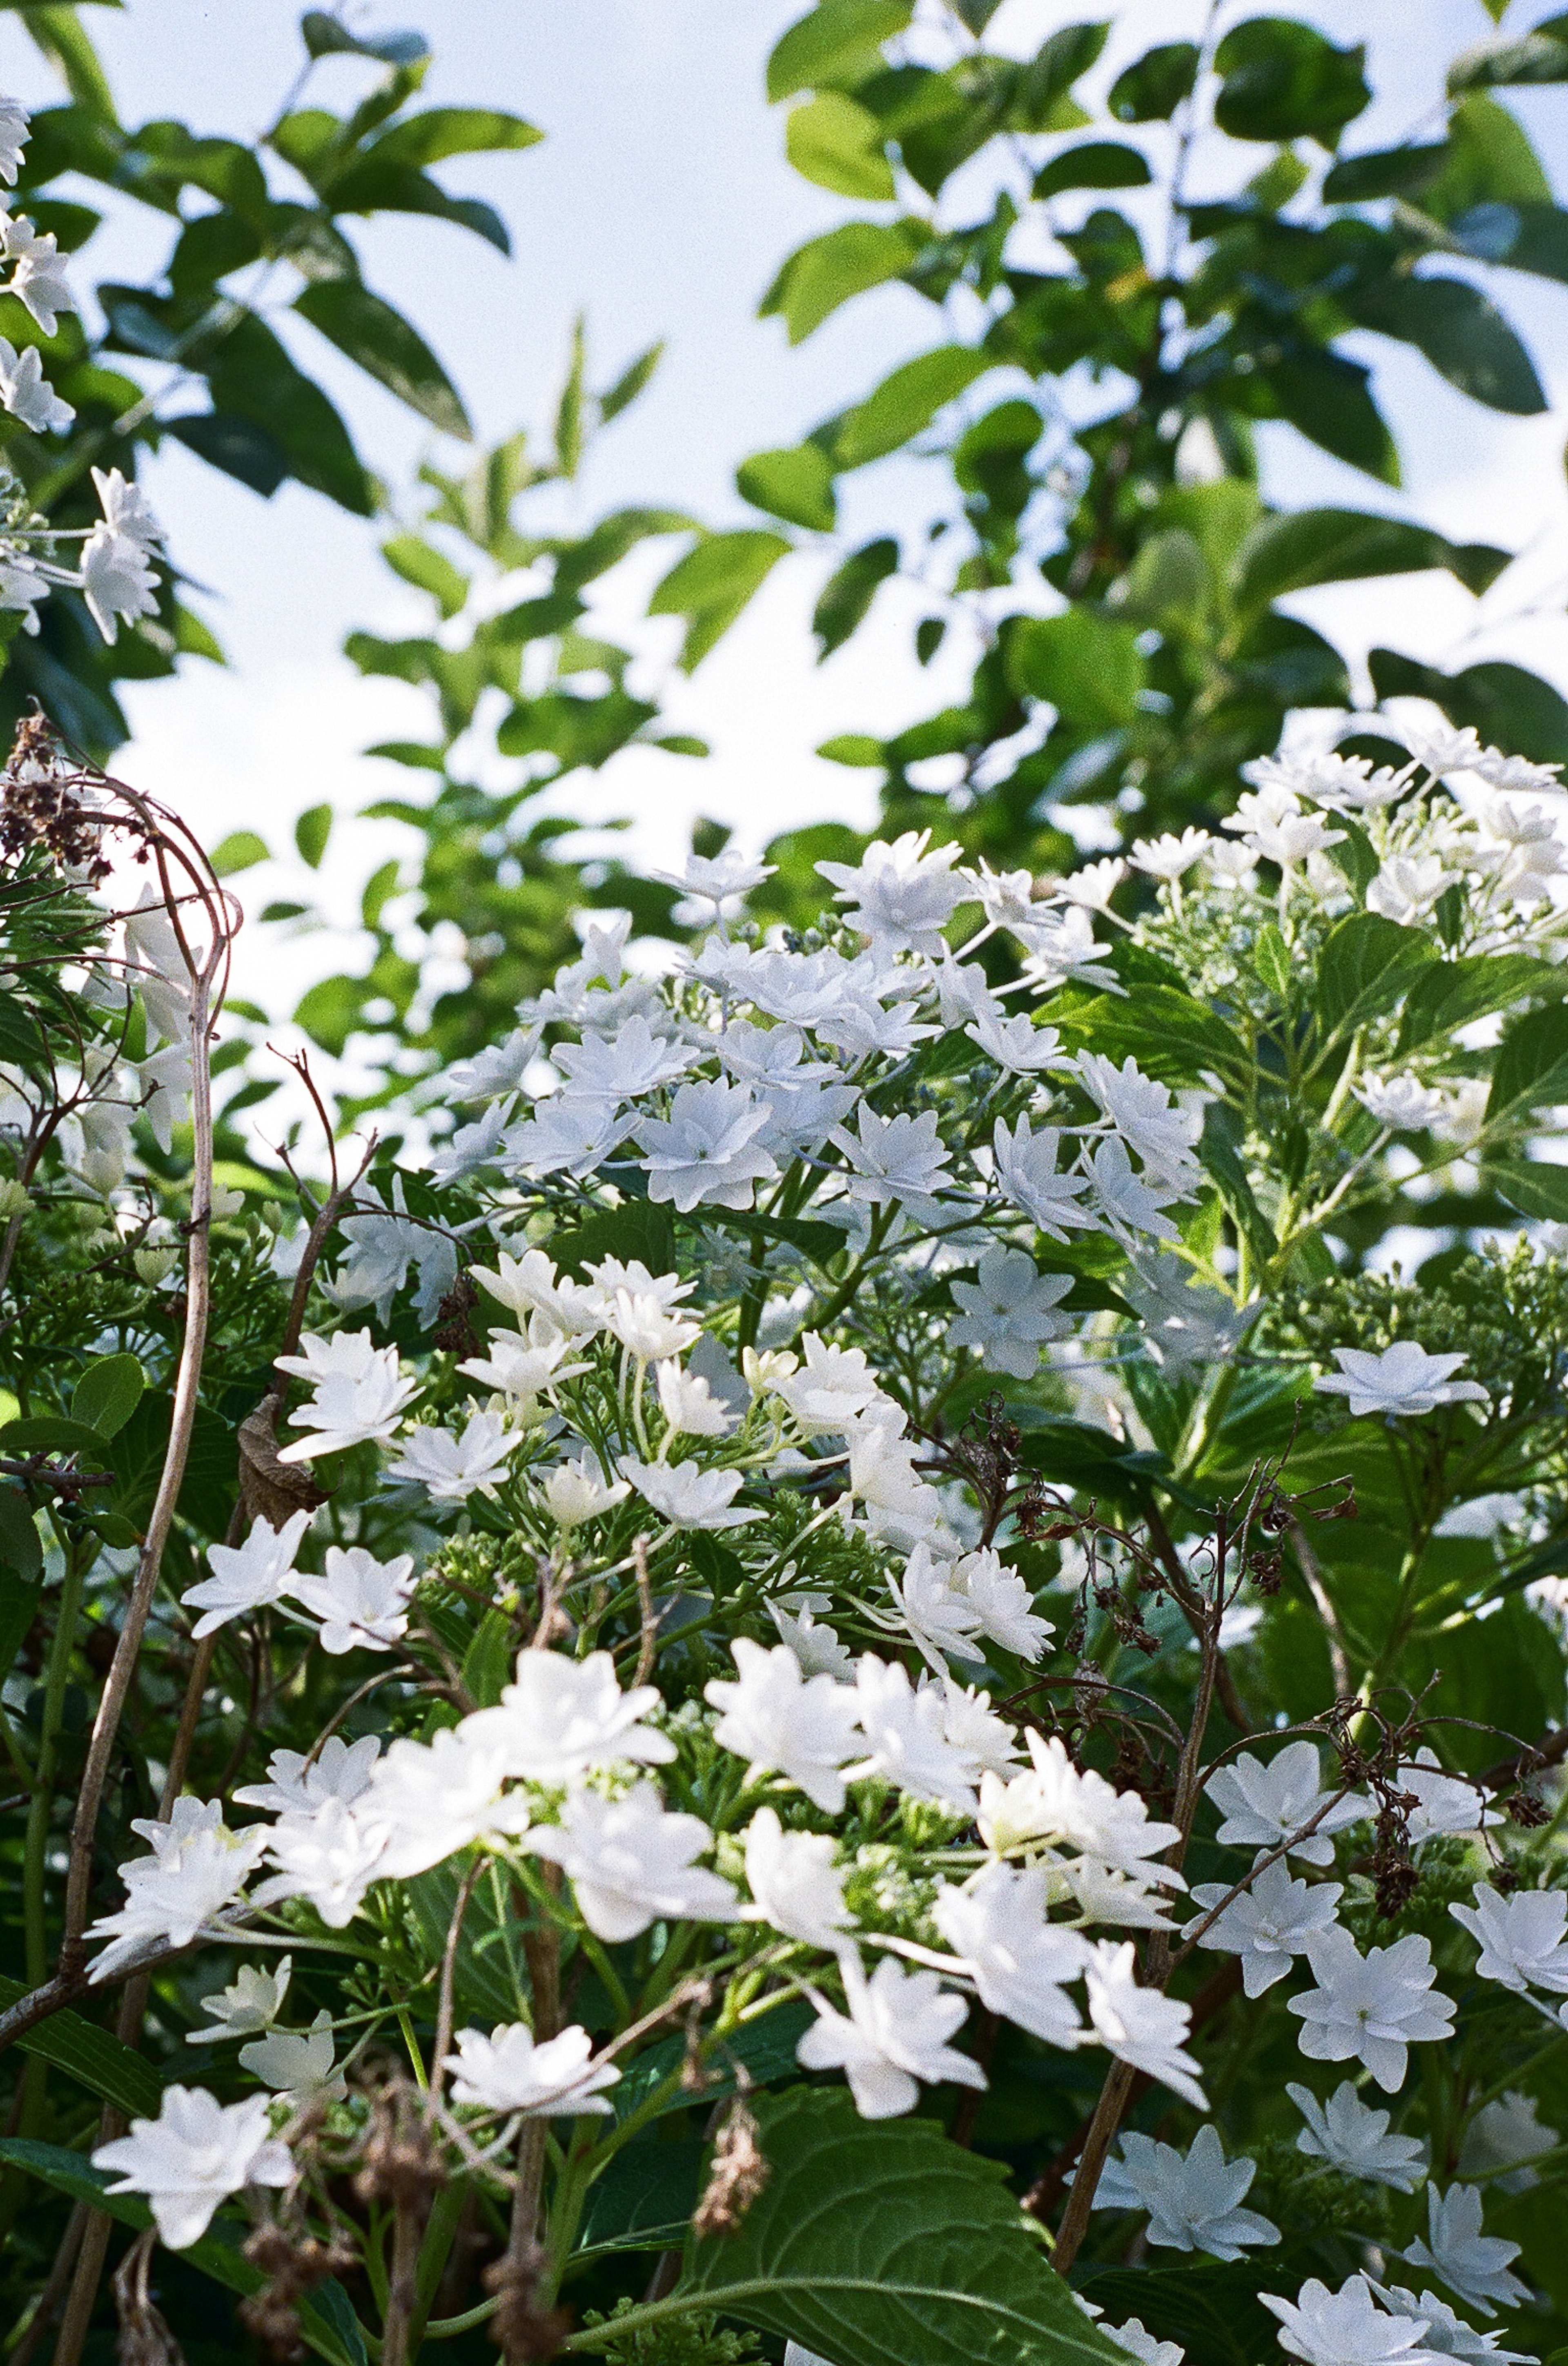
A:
[114,571]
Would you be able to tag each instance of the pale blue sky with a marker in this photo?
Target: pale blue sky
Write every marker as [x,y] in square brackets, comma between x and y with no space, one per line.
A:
[660,203]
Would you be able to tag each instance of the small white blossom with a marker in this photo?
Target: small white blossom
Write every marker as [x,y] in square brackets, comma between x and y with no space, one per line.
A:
[1093,887]
[576,1490]
[27,394]
[251,2004]
[194,2155]
[1263,1804]
[1523,1938]
[1476,2266]
[511,2071]
[362,1604]
[906,1732]
[1008,1310]
[1404,1379]
[1193,2199]
[899,895]
[298,1785]
[631,1862]
[1268,1924]
[1403,1103]
[706,1152]
[564,1719]
[298,2064]
[899,1160]
[1502,2139]
[687,1495]
[1026,1175]
[451,1467]
[359,1394]
[690,1405]
[1170,857]
[1139,2025]
[247,1576]
[1346,2327]
[1353,2139]
[1019,1963]
[806,1729]
[1370,2007]
[794,1883]
[894,2037]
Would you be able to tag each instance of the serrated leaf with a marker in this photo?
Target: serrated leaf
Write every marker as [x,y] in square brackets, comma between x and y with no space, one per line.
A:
[882,2243]
[1366,966]
[1531,1065]
[1451,994]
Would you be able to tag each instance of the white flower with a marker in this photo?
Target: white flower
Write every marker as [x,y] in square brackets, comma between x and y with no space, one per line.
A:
[898,1505]
[298,1785]
[330,1856]
[14,121]
[1026,1175]
[1346,2327]
[247,1576]
[1007,898]
[1009,1310]
[1002,1604]
[452,1468]
[794,1883]
[359,1394]
[1448,1803]
[1448,2336]
[1404,1103]
[1353,2138]
[1139,2025]
[26,393]
[1272,826]
[1473,2265]
[1018,1962]
[897,1159]
[1521,1937]
[780,1721]
[250,2004]
[1064,948]
[1326,778]
[115,581]
[1020,1045]
[895,2035]
[814,1645]
[194,2155]
[499,1068]
[1231,868]
[1370,2007]
[127,509]
[564,1719]
[1143,1113]
[906,1730]
[1168,857]
[650,1330]
[1408,886]
[1056,1802]
[935,1607]
[1502,2139]
[361,1602]
[900,895]
[1265,1804]
[39,277]
[565,1135]
[576,1490]
[196,1871]
[687,1495]
[835,1384]
[1093,887]
[631,1863]
[706,1151]
[1193,2199]
[297,2063]
[690,1405]
[1139,2342]
[432,1798]
[623,1066]
[714,883]
[1126,1198]
[1403,1380]
[511,2071]
[522,1370]
[1269,1923]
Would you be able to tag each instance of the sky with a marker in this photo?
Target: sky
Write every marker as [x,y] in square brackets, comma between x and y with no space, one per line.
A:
[659,204]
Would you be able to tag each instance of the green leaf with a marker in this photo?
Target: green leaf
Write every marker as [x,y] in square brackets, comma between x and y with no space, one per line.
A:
[1507,705]
[636,1230]
[239,447]
[420,563]
[712,585]
[312,832]
[631,382]
[1463,336]
[1366,966]
[905,403]
[1328,399]
[1152,88]
[825,272]
[839,43]
[1284,79]
[1531,1065]
[1540,56]
[1537,1188]
[1300,548]
[386,347]
[20,1591]
[325,36]
[440,131]
[51,1432]
[108,1395]
[1452,994]
[853,747]
[251,376]
[1094,165]
[1087,665]
[882,2243]
[796,485]
[847,594]
[1402,172]
[99,2061]
[488,1662]
[238,851]
[1039,101]
[838,145]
